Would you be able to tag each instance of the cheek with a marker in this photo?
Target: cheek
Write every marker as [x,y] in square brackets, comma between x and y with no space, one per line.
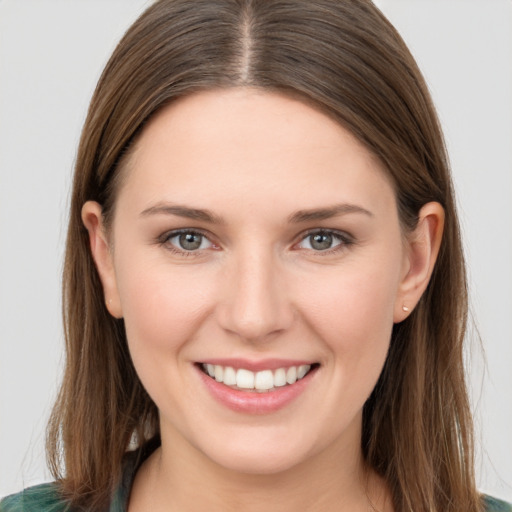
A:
[162,305]
[352,310]
[163,311]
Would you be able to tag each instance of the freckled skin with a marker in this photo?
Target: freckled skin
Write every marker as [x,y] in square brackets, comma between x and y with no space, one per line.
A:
[256,288]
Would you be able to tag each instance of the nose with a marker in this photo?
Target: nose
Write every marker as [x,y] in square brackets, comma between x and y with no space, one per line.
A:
[255,304]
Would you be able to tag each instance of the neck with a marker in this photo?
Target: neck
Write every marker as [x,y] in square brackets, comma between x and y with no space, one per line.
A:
[177,477]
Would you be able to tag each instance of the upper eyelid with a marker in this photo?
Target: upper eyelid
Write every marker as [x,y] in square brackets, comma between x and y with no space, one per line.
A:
[341,234]
[167,235]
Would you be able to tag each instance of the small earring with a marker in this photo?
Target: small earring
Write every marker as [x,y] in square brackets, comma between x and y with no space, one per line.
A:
[109,302]
[405,308]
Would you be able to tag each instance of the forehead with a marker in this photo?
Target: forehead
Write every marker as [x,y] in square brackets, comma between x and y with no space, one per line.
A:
[245,142]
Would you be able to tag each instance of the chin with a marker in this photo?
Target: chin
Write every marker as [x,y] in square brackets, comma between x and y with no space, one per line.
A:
[256,462]
[260,452]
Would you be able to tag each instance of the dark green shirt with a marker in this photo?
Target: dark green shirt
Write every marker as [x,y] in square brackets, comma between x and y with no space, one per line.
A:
[45,497]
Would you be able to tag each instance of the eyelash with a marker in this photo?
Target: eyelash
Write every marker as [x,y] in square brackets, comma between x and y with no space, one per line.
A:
[345,240]
[165,240]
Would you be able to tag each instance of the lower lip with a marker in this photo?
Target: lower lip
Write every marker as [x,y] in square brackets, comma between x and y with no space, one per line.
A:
[252,402]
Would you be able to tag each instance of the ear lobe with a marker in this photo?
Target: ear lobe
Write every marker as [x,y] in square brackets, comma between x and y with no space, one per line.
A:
[421,254]
[102,255]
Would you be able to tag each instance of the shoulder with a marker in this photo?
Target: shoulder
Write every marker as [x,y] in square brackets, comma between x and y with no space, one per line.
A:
[40,498]
[47,498]
[493,505]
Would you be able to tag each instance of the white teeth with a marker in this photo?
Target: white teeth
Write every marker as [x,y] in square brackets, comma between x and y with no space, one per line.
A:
[280,377]
[229,376]
[262,381]
[302,371]
[245,379]
[219,373]
[291,375]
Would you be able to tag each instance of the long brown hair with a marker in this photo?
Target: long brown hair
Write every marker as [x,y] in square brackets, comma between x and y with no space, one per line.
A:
[346,59]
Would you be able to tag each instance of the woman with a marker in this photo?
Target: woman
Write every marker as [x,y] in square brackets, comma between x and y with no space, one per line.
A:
[264,285]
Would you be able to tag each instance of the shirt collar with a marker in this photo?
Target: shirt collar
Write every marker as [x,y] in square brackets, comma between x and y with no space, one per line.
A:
[131,463]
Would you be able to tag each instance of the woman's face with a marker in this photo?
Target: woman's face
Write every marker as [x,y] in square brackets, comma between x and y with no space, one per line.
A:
[255,235]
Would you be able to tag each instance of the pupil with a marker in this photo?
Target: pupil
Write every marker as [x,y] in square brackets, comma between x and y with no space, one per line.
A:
[190,241]
[321,241]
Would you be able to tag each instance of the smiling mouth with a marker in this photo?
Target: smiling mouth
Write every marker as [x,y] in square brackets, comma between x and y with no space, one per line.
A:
[263,381]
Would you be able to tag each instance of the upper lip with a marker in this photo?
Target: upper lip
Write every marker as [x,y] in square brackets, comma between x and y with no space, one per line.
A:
[257,365]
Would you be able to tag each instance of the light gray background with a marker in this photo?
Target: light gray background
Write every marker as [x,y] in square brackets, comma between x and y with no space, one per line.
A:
[51,54]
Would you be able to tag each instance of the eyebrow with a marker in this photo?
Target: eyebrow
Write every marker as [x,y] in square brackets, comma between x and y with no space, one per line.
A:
[183,211]
[327,213]
[295,218]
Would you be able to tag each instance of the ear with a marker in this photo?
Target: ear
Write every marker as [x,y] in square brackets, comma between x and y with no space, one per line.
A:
[102,254]
[422,248]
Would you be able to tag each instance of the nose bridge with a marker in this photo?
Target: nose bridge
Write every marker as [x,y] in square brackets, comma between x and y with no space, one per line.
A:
[256,304]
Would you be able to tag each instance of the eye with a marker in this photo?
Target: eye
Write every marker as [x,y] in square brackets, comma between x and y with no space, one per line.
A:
[188,241]
[323,241]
